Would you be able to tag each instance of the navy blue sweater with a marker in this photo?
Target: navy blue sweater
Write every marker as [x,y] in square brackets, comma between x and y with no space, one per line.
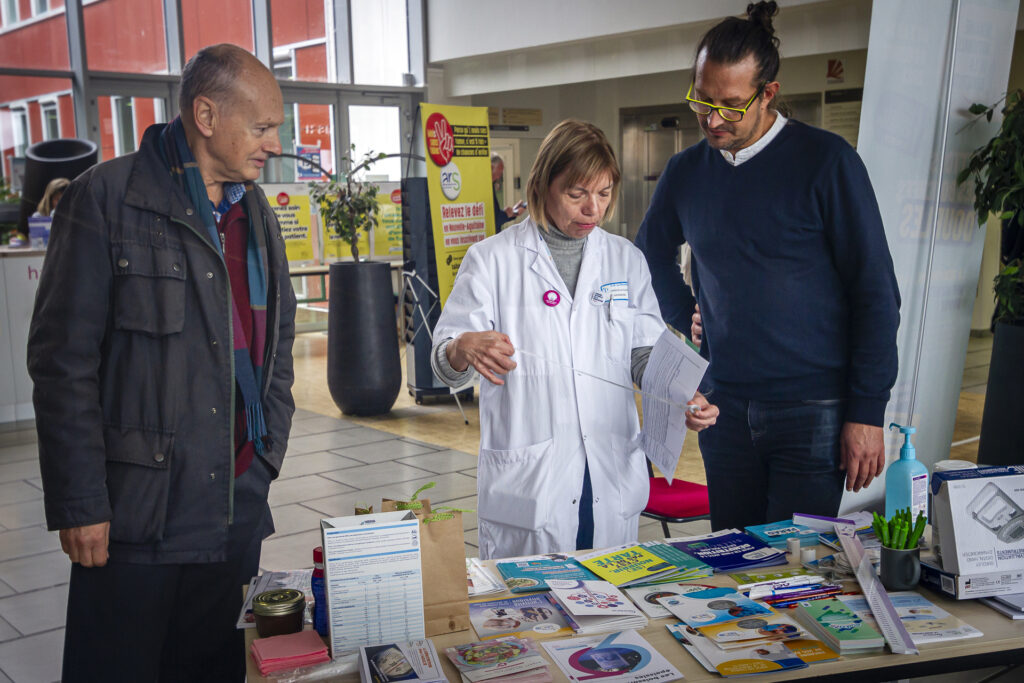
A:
[792,270]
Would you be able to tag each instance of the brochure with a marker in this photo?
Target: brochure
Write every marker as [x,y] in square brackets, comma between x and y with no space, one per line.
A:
[414,661]
[480,580]
[372,560]
[646,597]
[839,626]
[730,550]
[615,657]
[687,566]
[626,565]
[751,631]
[811,651]
[596,606]
[529,574]
[924,621]
[776,534]
[592,598]
[739,662]
[300,579]
[747,578]
[710,606]
[489,659]
[533,616]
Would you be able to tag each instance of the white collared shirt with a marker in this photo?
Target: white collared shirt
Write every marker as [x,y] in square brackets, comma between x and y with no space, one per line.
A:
[748,152]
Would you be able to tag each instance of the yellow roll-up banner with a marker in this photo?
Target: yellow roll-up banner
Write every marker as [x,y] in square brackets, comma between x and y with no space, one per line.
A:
[290,202]
[458,184]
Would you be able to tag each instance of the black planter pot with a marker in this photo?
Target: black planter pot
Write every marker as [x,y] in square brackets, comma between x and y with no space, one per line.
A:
[363,370]
[44,161]
[1002,430]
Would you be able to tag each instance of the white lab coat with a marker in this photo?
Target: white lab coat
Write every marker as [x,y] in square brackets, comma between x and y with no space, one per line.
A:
[546,422]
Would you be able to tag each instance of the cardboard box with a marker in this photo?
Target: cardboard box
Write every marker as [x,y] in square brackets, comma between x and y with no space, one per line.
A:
[978,519]
[963,587]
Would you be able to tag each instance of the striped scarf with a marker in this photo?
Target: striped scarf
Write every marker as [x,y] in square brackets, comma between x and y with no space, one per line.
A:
[248,365]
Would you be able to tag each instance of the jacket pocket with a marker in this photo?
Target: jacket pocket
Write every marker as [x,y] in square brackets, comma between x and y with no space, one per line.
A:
[619,318]
[516,486]
[149,289]
[138,482]
[634,484]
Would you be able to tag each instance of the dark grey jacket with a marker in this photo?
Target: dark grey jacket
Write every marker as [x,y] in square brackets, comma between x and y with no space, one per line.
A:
[130,350]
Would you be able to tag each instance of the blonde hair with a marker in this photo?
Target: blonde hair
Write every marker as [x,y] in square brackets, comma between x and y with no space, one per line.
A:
[579,151]
[55,186]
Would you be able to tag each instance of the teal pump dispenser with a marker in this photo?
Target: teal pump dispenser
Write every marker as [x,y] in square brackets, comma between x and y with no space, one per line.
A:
[906,480]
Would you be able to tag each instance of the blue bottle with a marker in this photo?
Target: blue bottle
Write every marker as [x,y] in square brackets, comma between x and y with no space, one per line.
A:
[906,480]
[319,593]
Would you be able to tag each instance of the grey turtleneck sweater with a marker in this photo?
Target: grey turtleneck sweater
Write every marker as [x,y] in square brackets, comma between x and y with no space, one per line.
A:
[567,253]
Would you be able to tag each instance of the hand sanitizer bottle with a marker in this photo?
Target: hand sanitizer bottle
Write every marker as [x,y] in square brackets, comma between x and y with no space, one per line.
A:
[906,480]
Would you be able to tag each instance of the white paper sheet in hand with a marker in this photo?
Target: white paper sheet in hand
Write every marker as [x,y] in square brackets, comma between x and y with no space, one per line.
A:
[673,372]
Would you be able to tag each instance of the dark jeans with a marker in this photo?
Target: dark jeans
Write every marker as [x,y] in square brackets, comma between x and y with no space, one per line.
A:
[765,460]
[169,622]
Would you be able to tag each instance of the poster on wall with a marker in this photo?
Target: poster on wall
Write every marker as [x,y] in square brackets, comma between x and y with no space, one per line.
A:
[842,112]
[387,234]
[335,248]
[458,184]
[304,170]
[290,202]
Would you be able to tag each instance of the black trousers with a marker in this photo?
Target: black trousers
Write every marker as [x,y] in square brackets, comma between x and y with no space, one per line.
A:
[168,623]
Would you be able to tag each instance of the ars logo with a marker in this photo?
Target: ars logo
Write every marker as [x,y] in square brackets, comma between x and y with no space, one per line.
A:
[451,181]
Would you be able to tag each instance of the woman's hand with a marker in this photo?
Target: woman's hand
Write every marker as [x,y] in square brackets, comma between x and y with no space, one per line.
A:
[490,354]
[696,328]
[706,416]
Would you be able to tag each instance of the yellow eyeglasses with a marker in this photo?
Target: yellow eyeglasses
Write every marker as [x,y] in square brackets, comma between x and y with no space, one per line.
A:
[730,114]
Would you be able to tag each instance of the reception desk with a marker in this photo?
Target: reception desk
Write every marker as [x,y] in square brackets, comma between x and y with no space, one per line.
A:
[19,279]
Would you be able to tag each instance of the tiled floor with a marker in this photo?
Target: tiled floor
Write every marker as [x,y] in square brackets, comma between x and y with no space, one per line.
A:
[332,464]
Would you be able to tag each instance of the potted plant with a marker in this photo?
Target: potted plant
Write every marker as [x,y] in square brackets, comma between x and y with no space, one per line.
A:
[363,370]
[997,169]
[10,210]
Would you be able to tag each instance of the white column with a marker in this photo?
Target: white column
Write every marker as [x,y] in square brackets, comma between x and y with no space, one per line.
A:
[928,60]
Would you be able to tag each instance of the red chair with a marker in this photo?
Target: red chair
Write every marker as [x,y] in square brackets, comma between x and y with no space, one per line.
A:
[683,501]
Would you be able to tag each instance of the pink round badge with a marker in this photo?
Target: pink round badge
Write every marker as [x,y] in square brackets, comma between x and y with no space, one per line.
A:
[551,297]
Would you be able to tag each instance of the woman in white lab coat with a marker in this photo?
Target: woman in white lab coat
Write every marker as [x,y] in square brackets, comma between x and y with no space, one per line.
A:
[542,310]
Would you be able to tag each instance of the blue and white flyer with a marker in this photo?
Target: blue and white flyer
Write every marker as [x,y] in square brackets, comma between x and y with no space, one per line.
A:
[373,578]
[623,656]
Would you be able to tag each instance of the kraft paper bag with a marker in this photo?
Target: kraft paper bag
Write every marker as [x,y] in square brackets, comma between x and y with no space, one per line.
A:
[443,553]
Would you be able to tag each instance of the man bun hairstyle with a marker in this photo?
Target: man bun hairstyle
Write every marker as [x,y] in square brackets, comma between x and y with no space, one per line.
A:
[732,39]
[212,72]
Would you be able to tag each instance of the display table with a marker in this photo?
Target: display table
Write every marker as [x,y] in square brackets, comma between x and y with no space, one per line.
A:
[19,279]
[1003,643]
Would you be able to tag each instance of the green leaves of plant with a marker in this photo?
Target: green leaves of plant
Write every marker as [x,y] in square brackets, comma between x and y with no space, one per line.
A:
[1009,293]
[347,206]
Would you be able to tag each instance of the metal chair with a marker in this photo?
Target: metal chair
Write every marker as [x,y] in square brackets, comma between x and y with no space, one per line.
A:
[683,501]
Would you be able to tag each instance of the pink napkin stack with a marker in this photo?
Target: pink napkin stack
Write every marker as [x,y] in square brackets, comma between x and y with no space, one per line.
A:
[288,652]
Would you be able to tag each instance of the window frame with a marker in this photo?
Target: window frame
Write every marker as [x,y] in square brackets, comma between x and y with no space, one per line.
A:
[89,85]
[6,6]
[49,104]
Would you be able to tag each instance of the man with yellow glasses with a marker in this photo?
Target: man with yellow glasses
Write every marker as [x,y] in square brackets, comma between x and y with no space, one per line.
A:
[795,287]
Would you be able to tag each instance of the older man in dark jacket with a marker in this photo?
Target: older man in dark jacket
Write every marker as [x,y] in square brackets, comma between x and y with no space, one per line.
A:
[161,350]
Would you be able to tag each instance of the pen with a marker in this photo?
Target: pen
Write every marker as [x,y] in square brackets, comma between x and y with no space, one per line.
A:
[783,583]
[692,409]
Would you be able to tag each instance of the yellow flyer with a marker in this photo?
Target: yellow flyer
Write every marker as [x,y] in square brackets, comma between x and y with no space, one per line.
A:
[387,233]
[458,183]
[335,248]
[625,565]
[290,202]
